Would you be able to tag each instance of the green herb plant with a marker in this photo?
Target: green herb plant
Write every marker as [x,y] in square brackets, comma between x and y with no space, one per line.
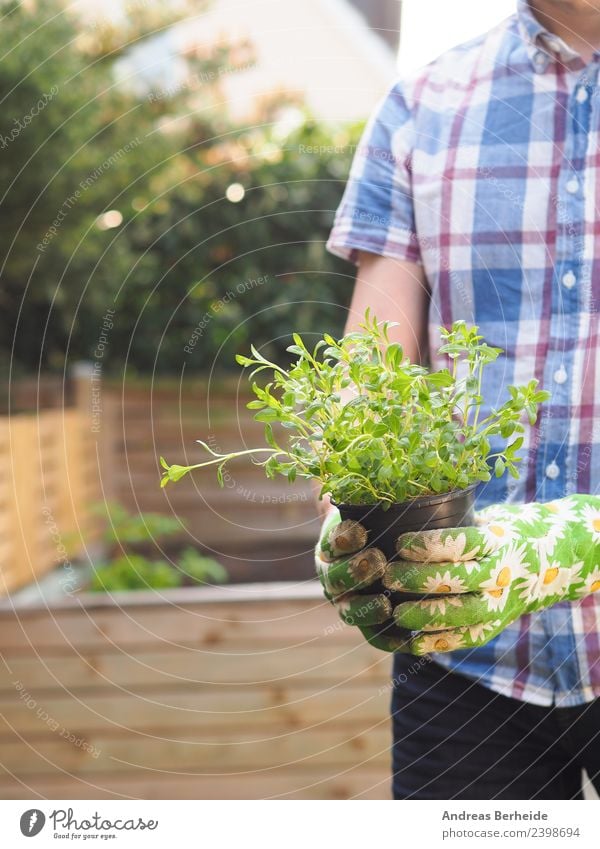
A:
[374,428]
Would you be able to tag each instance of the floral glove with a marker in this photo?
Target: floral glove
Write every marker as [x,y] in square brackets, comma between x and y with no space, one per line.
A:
[477,580]
[345,566]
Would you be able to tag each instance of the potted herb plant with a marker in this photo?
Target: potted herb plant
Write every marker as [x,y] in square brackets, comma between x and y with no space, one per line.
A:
[398,447]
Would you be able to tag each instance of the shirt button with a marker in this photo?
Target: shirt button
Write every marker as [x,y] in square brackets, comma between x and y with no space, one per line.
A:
[552,471]
[560,375]
[581,95]
[569,280]
[540,59]
[572,185]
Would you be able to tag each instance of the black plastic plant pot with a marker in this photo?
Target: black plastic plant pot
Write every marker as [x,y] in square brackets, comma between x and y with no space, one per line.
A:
[431,512]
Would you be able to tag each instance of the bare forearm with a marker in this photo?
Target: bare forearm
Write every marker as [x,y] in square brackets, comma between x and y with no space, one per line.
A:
[393,291]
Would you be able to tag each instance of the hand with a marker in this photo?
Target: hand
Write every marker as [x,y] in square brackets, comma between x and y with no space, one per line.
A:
[477,580]
[520,559]
[345,565]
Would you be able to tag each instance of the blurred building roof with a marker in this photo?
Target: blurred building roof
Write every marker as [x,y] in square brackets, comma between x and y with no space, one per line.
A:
[324,48]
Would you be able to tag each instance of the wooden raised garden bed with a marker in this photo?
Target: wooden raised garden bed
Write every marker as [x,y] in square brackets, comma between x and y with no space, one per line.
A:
[249,691]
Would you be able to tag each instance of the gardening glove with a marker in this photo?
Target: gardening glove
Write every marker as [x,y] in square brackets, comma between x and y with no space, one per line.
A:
[344,565]
[477,580]
[521,558]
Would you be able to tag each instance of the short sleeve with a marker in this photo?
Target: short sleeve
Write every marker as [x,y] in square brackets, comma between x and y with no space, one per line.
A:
[376,212]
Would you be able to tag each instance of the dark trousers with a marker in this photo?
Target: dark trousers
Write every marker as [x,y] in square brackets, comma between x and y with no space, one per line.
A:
[454,739]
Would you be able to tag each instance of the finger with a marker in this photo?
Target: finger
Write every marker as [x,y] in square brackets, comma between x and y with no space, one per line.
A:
[428,578]
[454,639]
[340,538]
[443,612]
[387,638]
[364,609]
[344,575]
[447,545]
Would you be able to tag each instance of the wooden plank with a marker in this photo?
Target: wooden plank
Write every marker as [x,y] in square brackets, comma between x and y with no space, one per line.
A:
[188,665]
[181,415]
[191,391]
[220,520]
[147,473]
[203,707]
[328,782]
[70,497]
[178,436]
[202,735]
[103,629]
[304,715]
[234,752]
[192,616]
[108,442]
[54,525]
[81,467]
[24,472]
[254,599]
[48,494]
[245,498]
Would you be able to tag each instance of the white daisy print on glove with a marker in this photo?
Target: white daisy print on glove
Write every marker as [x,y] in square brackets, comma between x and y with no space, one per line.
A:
[440,642]
[438,605]
[498,533]
[511,565]
[437,546]
[564,509]
[495,511]
[553,532]
[478,632]
[445,583]
[593,581]
[591,518]
[529,513]
[528,587]
[553,580]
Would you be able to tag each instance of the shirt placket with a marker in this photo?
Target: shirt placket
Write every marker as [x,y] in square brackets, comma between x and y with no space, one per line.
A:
[554,477]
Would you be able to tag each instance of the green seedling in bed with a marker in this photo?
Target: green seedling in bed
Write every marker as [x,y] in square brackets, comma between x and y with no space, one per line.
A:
[126,568]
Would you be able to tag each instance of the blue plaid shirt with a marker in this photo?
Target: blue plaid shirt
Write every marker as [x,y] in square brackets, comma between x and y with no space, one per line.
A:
[484,168]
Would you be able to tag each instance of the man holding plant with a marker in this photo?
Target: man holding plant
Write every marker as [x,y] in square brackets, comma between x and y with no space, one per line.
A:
[473,196]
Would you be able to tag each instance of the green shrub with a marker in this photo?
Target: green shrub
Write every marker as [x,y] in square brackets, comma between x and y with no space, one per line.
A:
[183,250]
[215,274]
[73,146]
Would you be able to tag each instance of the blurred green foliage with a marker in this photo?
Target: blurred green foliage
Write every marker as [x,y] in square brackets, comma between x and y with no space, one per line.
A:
[122,528]
[128,569]
[187,264]
[136,572]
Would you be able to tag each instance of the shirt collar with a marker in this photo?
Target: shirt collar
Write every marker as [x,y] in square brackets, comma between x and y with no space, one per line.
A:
[542,46]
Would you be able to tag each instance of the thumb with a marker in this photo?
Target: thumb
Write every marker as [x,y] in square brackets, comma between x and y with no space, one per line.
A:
[447,545]
[340,538]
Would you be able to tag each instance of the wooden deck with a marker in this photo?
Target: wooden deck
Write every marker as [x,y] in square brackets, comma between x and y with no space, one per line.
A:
[245,692]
